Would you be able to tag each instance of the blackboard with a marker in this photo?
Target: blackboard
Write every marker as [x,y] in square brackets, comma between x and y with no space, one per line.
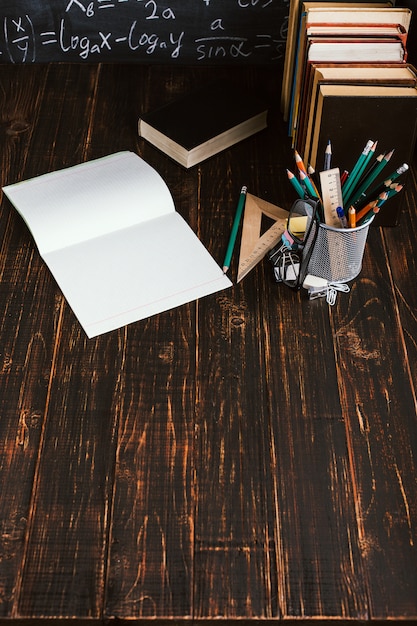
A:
[144,31]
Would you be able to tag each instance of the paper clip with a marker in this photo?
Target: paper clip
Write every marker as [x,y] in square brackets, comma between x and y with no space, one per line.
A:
[320,288]
[287,267]
[332,289]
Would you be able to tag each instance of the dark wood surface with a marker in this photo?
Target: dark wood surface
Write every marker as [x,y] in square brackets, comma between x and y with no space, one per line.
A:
[249,455]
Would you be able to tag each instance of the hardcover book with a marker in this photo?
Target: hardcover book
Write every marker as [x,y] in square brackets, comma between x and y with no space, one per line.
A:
[334,14]
[395,74]
[353,49]
[204,122]
[297,20]
[350,115]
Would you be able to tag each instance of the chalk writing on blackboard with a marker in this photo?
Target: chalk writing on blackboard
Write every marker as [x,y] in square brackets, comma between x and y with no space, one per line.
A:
[188,31]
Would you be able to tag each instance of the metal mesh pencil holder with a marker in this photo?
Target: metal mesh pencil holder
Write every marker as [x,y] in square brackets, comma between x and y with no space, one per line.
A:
[338,252]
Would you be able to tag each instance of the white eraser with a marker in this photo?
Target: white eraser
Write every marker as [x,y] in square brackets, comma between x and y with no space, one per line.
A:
[315,282]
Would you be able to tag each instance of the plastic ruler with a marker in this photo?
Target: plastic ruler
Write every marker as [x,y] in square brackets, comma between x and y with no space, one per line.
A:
[331,194]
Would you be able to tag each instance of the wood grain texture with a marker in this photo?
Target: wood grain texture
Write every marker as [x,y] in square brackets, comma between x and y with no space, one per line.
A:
[27,336]
[234,517]
[381,463]
[52,524]
[249,456]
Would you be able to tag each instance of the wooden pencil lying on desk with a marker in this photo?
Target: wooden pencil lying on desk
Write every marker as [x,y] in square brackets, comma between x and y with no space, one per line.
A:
[235,228]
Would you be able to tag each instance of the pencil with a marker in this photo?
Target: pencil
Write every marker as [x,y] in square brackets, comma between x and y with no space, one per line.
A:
[370,166]
[394,190]
[328,156]
[352,217]
[366,209]
[313,178]
[344,177]
[363,185]
[374,207]
[376,172]
[309,186]
[369,215]
[235,228]
[299,162]
[400,170]
[393,176]
[294,182]
[357,169]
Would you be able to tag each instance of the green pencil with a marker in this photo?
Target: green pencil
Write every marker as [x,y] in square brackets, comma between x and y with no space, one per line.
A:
[235,228]
[307,182]
[355,173]
[371,178]
[390,179]
[294,182]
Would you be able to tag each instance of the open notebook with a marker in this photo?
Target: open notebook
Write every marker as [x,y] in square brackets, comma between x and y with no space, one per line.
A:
[109,233]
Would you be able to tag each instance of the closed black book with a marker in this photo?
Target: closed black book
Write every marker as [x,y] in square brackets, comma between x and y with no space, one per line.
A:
[204,122]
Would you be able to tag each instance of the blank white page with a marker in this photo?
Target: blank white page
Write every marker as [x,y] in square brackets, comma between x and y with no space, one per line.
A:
[68,206]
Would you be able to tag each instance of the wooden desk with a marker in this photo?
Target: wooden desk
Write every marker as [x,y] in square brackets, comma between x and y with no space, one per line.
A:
[251,455]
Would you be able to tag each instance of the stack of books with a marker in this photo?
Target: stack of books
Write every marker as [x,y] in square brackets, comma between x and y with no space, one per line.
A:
[347,80]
